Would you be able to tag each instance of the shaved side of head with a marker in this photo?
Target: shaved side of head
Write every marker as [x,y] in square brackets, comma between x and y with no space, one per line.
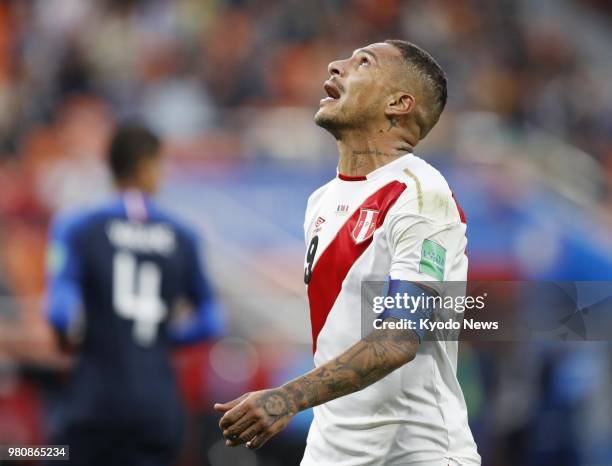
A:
[420,73]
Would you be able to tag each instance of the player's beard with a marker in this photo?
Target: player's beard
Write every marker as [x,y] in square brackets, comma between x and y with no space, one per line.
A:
[341,120]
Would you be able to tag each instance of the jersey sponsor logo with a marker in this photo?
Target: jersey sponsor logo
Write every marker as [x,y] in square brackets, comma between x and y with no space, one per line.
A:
[433,260]
[365,226]
[325,276]
[319,222]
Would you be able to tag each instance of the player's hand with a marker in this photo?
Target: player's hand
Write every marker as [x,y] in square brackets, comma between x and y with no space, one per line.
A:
[256,417]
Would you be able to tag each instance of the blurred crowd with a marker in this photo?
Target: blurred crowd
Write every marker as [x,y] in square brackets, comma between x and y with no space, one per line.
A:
[216,78]
[190,68]
[181,64]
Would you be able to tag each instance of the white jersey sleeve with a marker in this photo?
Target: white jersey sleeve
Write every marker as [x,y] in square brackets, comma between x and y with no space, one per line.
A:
[426,237]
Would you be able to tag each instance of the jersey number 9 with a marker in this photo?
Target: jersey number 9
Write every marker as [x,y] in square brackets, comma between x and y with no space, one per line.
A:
[310,257]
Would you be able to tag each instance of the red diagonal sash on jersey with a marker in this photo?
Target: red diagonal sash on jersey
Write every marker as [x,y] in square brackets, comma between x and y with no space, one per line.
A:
[461,213]
[335,262]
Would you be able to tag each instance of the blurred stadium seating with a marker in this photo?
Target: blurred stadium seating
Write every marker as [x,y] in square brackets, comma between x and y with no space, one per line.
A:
[526,143]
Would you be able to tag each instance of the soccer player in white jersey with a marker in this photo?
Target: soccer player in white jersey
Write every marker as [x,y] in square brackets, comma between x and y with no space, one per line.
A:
[386,398]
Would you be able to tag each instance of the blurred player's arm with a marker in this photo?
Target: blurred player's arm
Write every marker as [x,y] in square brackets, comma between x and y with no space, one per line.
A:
[206,319]
[255,417]
[64,293]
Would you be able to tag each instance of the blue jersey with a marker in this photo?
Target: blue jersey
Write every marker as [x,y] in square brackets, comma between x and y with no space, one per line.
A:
[122,268]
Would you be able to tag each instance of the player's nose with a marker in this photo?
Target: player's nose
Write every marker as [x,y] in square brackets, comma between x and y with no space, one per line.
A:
[335,68]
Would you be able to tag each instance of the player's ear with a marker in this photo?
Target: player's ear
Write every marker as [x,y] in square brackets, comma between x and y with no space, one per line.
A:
[400,104]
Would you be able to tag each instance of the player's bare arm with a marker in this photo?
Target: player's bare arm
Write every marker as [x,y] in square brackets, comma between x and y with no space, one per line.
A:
[256,417]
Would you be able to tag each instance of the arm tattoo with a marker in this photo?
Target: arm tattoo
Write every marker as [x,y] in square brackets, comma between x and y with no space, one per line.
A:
[366,362]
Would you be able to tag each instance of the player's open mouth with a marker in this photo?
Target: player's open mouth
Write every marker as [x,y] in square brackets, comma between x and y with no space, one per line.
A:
[333,93]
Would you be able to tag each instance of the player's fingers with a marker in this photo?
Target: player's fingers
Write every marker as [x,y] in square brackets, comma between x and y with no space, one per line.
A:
[251,432]
[235,414]
[224,407]
[259,440]
[239,427]
[266,432]
[221,407]
[233,443]
[245,436]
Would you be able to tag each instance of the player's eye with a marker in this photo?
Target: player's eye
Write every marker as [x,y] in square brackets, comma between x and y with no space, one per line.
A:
[364,61]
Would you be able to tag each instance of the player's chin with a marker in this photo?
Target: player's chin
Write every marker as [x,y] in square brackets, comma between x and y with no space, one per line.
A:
[326,118]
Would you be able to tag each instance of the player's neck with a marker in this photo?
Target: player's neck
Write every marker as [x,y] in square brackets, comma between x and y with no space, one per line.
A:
[123,187]
[361,155]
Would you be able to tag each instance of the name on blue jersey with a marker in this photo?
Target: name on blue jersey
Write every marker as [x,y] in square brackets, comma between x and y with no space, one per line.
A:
[142,237]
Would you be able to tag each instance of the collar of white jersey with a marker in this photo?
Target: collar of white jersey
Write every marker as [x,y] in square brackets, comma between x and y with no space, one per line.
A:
[374,173]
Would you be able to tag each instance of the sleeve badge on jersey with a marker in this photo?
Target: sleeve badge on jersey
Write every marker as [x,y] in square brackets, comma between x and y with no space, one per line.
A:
[433,260]
[365,226]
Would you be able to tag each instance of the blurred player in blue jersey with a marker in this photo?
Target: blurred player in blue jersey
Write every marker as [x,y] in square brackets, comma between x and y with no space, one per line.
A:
[118,271]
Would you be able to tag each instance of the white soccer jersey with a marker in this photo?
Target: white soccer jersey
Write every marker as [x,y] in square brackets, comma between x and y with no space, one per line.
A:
[365,229]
